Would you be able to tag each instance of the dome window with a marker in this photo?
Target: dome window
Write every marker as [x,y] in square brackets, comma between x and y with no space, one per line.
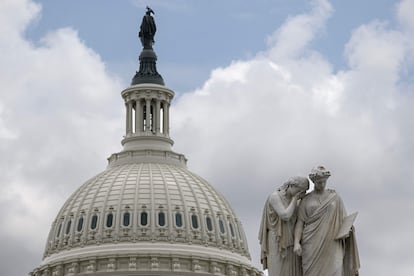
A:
[178,220]
[126,219]
[194,221]
[109,220]
[161,218]
[68,227]
[80,224]
[58,231]
[144,218]
[94,222]
[209,224]
[221,224]
[231,229]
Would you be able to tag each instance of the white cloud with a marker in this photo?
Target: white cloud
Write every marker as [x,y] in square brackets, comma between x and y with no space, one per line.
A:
[55,106]
[404,14]
[251,125]
[293,37]
[256,122]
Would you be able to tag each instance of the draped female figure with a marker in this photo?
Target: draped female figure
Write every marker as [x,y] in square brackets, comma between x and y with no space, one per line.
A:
[320,218]
[277,229]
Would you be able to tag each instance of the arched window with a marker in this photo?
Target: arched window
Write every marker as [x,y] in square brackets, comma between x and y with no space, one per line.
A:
[68,225]
[59,229]
[109,220]
[178,220]
[161,218]
[194,221]
[221,225]
[209,224]
[94,222]
[144,218]
[231,229]
[126,221]
[80,224]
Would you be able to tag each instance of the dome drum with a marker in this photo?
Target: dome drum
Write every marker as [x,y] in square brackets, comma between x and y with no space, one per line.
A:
[147,264]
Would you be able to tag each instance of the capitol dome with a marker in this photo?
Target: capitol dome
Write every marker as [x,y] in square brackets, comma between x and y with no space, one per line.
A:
[161,210]
[146,214]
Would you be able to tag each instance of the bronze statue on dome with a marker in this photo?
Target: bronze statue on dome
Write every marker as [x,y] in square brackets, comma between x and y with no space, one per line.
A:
[147,29]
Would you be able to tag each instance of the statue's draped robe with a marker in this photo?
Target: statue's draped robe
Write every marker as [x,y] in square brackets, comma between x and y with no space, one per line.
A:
[147,31]
[276,240]
[322,254]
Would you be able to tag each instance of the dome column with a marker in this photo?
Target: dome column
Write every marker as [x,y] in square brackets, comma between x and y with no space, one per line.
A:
[157,116]
[138,116]
[166,115]
[147,114]
[128,106]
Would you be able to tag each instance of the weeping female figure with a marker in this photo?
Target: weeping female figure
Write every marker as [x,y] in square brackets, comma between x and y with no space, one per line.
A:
[276,232]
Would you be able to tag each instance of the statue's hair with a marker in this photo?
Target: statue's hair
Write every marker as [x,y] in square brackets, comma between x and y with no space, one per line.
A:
[299,181]
[319,172]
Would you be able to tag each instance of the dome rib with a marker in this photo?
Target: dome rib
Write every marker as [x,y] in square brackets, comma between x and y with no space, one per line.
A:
[184,202]
[197,205]
[202,212]
[120,203]
[185,207]
[168,198]
[135,220]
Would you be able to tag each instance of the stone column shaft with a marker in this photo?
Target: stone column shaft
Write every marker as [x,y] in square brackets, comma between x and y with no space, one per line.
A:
[138,116]
[148,115]
[166,123]
[129,118]
[157,116]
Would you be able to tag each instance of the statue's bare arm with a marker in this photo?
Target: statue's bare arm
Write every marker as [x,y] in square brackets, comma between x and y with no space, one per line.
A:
[284,213]
[297,248]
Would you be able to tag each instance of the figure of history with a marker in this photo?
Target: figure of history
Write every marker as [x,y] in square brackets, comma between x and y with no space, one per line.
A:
[324,234]
[276,232]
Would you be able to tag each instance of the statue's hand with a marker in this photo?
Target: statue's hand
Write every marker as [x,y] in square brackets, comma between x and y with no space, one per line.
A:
[297,249]
[301,194]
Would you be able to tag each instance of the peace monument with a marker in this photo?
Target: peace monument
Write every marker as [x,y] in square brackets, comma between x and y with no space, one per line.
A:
[309,235]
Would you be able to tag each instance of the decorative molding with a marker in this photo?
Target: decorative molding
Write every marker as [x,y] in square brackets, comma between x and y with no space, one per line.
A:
[143,264]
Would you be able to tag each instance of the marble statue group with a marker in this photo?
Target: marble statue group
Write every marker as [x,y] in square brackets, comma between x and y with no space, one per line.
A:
[308,234]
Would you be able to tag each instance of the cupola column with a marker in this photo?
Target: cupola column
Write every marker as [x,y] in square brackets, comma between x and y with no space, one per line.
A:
[166,113]
[148,114]
[128,106]
[138,116]
[157,115]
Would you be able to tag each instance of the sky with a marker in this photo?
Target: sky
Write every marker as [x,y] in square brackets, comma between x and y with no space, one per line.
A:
[264,91]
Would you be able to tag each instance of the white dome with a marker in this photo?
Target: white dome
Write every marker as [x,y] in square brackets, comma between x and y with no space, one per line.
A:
[146,202]
[156,209]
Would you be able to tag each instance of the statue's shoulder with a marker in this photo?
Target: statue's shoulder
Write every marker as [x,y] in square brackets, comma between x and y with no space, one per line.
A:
[306,198]
[274,196]
[331,191]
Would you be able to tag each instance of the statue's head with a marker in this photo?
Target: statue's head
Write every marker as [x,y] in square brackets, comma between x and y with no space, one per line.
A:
[297,183]
[319,173]
[149,11]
